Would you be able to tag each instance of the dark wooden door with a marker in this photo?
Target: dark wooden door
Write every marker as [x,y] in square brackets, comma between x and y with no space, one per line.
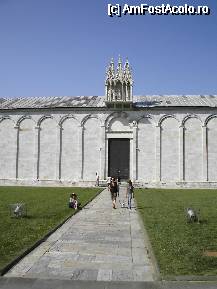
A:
[119,158]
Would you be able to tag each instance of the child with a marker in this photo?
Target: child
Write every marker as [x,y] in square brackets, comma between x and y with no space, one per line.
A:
[73,203]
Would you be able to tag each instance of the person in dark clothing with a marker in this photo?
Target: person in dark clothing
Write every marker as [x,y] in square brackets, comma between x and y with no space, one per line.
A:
[114,191]
[73,203]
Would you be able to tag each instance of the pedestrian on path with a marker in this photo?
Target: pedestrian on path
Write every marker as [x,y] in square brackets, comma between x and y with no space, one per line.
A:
[97,180]
[130,193]
[114,191]
[109,182]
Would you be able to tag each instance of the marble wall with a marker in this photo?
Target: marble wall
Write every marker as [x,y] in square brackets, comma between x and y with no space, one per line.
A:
[176,146]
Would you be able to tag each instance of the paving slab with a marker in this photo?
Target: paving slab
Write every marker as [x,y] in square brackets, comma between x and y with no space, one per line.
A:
[99,243]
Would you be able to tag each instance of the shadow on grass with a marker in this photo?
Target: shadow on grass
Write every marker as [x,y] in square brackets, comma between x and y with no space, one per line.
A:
[201,222]
[143,207]
[29,217]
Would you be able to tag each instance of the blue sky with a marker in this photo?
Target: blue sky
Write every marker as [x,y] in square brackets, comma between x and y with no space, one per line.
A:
[62,47]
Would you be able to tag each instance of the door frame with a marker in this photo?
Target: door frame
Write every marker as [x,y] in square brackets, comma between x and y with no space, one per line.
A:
[126,135]
[127,143]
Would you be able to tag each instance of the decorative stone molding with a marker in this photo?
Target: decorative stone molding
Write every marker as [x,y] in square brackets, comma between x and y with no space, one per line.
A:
[114,115]
[64,118]
[118,84]
[41,119]
[5,117]
[149,117]
[190,116]
[133,124]
[209,118]
[22,119]
[84,120]
[165,117]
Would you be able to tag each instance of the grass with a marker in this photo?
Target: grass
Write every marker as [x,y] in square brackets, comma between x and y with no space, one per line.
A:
[46,208]
[179,246]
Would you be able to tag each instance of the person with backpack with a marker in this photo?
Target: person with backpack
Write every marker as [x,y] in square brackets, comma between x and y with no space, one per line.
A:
[114,191]
[130,193]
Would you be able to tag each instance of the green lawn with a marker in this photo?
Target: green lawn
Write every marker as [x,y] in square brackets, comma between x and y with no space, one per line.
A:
[46,208]
[178,245]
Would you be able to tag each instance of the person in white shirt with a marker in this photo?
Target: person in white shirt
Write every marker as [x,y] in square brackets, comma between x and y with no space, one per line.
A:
[108,182]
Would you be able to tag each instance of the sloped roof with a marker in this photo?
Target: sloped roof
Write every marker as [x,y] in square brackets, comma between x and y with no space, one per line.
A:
[175,100]
[51,102]
[98,101]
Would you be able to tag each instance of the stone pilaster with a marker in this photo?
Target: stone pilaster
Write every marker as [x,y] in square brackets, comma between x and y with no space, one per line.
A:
[81,151]
[37,153]
[102,153]
[58,152]
[205,153]
[135,142]
[158,153]
[181,153]
[17,153]
[106,155]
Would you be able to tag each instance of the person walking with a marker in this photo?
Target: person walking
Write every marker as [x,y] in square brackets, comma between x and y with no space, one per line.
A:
[130,193]
[97,180]
[113,190]
[109,182]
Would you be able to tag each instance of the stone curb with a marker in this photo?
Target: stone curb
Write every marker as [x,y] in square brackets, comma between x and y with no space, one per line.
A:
[5,269]
[157,275]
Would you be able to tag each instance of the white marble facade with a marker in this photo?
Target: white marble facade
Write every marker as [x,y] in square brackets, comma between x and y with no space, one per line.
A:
[168,147]
[64,140]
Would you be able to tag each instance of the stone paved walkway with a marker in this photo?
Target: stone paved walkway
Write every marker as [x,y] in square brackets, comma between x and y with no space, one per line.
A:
[99,243]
